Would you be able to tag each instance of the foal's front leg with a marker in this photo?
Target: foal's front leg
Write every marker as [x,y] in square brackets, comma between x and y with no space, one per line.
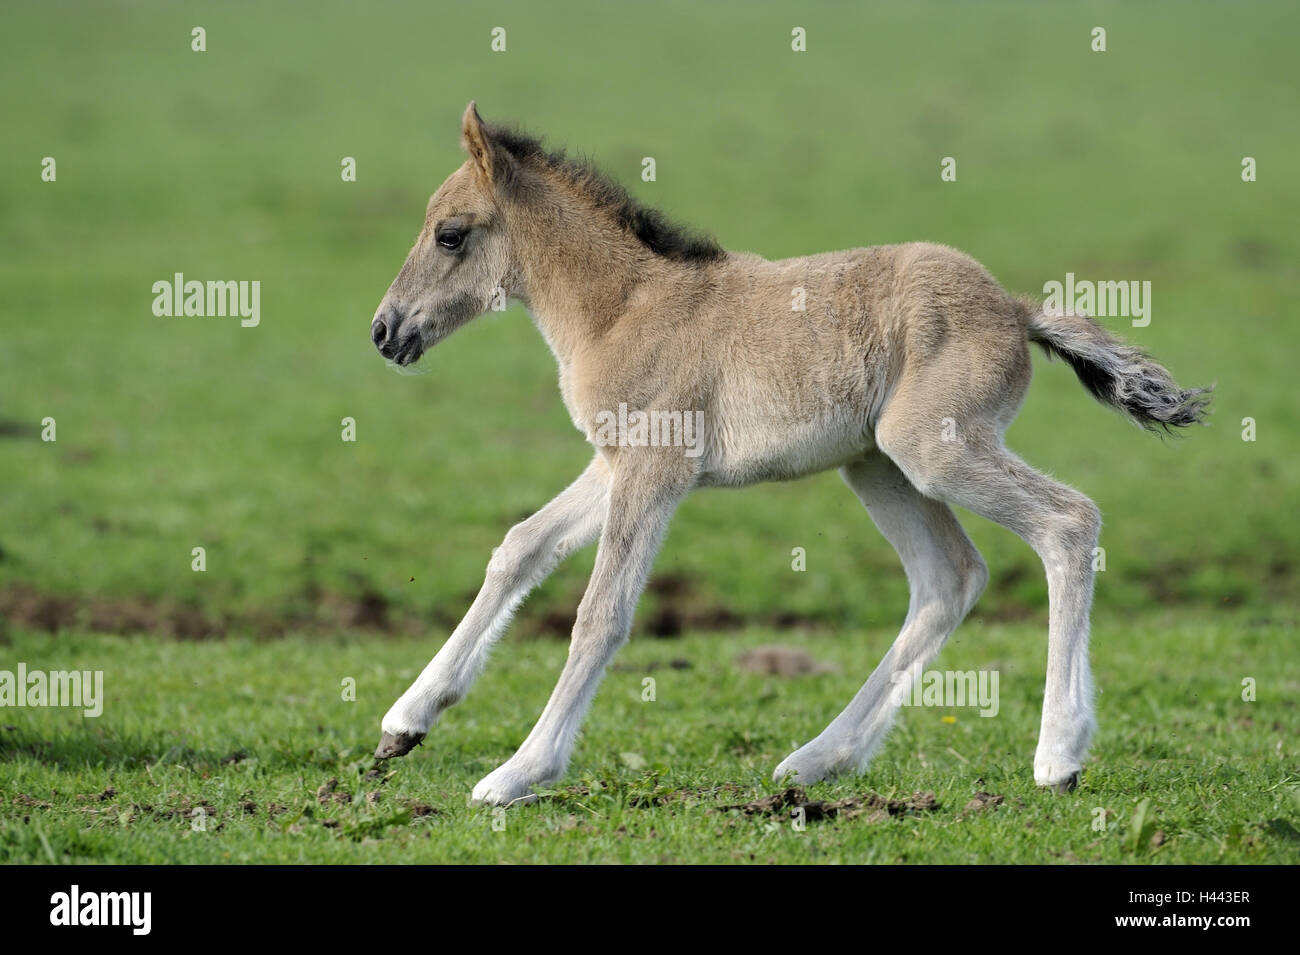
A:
[529,552]
[647,486]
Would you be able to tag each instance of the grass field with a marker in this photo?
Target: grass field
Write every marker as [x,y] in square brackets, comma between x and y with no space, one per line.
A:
[329,559]
[239,751]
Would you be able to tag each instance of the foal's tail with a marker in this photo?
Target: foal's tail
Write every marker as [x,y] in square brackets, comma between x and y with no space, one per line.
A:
[1117,374]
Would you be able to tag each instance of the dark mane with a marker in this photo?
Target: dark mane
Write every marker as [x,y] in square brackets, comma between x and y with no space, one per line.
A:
[655,231]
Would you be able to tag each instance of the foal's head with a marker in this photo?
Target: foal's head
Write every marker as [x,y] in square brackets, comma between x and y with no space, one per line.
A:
[509,204]
[461,260]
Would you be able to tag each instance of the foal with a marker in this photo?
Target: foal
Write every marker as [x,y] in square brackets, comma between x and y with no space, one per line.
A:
[903,368]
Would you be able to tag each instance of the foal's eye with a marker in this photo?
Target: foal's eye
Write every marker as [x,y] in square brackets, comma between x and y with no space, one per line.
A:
[450,239]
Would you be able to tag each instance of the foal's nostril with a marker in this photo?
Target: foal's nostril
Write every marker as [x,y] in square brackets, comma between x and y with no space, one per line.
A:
[385,328]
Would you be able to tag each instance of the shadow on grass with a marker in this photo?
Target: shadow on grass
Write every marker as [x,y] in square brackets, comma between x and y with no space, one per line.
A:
[102,750]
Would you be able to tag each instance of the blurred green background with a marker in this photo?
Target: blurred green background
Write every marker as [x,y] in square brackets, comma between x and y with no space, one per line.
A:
[183,432]
[360,557]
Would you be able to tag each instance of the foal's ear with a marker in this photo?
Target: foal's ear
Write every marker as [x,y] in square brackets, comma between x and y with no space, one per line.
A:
[475,140]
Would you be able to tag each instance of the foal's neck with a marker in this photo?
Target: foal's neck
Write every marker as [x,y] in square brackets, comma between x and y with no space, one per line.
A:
[579,275]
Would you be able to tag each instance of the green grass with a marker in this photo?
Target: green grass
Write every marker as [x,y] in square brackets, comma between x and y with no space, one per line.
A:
[176,433]
[252,731]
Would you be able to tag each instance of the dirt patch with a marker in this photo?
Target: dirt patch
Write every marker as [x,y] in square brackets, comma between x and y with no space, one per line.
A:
[1253,252]
[779,660]
[646,793]
[105,796]
[1001,602]
[980,802]
[677,663]
[874,807]
[328,792]
[25,606]
[22,799]
[677,608]
[688,796]
[10,428]
[368,610]
[554,622]
[673,606]
[182,808]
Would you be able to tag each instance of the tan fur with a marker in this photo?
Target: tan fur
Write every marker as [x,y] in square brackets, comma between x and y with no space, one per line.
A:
[904,370]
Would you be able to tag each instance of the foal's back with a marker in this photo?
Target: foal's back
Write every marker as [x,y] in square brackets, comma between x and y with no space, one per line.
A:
[804,354]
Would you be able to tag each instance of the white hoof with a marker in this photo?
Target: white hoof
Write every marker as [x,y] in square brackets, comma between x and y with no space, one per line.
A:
[1060,774]
[503,786]
[806,765]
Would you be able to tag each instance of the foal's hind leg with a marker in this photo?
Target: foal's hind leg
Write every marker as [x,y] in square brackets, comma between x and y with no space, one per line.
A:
[1060,524]
[946,576]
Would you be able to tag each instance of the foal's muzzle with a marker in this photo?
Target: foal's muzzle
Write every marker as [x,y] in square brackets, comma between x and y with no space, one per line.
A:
[396,338]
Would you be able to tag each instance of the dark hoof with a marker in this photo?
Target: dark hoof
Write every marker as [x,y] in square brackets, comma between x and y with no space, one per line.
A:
[1066,786]
[399,745]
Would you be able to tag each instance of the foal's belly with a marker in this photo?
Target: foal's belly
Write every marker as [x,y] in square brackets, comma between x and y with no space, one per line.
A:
[781,449]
